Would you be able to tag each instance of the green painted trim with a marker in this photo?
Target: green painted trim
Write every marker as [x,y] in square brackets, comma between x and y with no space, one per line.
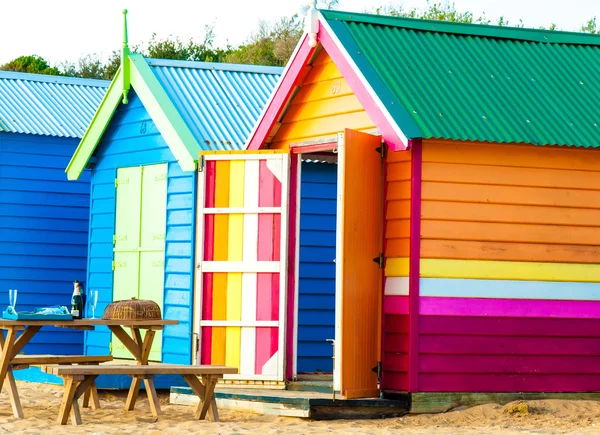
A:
[534,35]
[96,129]
[429,403]
[404,121]
[163,112]
[124,60]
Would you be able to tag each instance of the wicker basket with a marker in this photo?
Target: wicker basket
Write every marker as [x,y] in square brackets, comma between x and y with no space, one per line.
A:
[132,309]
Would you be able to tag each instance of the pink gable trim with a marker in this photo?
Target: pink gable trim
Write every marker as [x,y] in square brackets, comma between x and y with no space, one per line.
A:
[282,93]
[364,97]
[292,77]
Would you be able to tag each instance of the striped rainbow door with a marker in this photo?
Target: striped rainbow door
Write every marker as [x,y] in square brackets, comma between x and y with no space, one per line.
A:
[241,265]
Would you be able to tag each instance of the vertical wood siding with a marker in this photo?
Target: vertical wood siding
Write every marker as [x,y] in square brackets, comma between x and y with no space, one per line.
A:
[324,106]
[509,282]
[397,246]
[43,231]
[131,140]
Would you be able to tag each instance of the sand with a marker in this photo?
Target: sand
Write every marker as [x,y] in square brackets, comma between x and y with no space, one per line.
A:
[41,403]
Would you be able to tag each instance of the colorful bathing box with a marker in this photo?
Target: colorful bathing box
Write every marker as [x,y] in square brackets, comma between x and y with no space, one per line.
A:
[465,256]
[417,200]
[44,218]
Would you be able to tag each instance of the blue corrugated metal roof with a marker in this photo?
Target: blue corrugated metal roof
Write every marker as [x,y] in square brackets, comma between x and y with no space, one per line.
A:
[219,102]
[48,105]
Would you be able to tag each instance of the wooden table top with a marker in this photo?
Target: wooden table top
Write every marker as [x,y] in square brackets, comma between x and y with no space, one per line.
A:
[6,323]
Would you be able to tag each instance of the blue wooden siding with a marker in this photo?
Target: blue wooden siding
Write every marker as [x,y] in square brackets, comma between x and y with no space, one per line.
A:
[43,231]
[131,140]
[316,286]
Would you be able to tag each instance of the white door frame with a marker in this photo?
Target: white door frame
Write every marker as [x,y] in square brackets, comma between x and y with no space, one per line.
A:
[258,266]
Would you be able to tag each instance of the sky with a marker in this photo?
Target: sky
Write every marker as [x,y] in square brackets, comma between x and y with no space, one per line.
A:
[64,30]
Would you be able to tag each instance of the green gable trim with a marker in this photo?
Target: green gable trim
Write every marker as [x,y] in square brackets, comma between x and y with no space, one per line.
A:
[165,115]
[408,127]
[163,112]
[505,32]
[96,129]
[451,85]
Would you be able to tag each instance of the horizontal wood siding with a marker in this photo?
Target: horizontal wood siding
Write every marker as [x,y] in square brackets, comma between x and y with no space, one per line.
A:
[44,222]
[397,245]
[132,139]
[316,283]
[510,202]
[487,354]
[509,275]
[324,106]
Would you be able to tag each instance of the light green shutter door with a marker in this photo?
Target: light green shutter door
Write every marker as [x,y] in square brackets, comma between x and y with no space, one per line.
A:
[152,242]
[126,242]
[140,228]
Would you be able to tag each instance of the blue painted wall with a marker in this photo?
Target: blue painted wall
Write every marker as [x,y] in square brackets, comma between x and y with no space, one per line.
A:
[316,286]
[43,231]
[132,139]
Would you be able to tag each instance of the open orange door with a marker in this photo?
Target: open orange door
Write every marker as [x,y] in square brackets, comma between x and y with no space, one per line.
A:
[359,241]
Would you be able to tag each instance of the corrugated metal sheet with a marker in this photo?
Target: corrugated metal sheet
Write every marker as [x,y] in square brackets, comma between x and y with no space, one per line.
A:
[48,105]
[478,83]
[219,102]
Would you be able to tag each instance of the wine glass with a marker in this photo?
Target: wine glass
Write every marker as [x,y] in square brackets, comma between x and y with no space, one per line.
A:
[12,296]
[93,301]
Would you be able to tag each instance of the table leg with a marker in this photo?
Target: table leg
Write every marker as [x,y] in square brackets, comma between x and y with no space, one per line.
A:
[209,396]
[134,390]
[94,396]
[67,400]
[152,396]
[200,391]
[15,402]
[143,351]
[6,356]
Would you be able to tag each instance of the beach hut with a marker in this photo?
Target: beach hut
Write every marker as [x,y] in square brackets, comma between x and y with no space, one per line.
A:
[463,196]
[142,147]
[44,219]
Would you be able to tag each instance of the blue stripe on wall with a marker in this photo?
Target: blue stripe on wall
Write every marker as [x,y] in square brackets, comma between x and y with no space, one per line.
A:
[481,288]
[44,223]
[316,286]
[124,145]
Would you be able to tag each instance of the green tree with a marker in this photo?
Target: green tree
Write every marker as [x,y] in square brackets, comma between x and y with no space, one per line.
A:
[30,64]
[590,26]
[177,49]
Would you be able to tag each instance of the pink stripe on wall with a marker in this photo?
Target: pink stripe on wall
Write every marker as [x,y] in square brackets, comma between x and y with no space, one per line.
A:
[511,383]
[415,262]
[269,234]
[289,81]
[364,97]
[484,307]
[395,305]
[207,279]
[291,277]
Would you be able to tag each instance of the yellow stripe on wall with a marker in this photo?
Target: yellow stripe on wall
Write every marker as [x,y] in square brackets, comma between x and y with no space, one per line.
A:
[397,266]
[235,253]
[509,270]
[219,308]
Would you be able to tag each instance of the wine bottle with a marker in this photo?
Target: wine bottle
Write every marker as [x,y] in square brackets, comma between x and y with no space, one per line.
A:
[76,302]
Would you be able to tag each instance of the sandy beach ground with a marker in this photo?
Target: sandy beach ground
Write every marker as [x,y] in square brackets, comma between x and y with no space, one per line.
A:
[41,403]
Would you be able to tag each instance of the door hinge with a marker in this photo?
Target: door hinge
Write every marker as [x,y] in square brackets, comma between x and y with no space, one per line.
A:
[110,347]
[113,265]
[377,369]
[201,161]
[121,181]
[380,259]
[382,150]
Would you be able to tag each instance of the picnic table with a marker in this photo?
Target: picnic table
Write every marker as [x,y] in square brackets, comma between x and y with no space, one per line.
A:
[139,348]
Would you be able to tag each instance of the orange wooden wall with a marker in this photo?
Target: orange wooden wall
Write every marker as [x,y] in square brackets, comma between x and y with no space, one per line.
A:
[398,204]
[324,106]
[507,202]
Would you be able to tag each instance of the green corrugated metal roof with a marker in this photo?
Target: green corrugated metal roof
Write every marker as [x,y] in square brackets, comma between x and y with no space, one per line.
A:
[476,82]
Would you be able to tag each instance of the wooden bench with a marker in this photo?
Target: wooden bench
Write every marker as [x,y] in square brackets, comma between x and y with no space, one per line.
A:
[25,361]
[79,378]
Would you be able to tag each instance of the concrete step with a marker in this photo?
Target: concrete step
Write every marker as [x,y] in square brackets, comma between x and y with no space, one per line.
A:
[293,403]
